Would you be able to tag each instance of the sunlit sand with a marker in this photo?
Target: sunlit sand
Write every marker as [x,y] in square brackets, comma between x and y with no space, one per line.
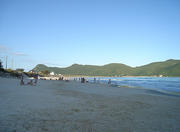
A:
[76,107]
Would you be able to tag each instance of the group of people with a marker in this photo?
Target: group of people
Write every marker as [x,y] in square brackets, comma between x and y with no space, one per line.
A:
[61,78]
[34,81]
[84,80]
[30,82]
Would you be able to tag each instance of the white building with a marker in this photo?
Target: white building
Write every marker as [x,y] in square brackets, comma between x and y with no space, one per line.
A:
[52,73]
[160,75]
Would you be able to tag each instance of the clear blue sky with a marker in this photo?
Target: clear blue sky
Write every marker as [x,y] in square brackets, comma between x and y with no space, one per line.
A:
[97,32]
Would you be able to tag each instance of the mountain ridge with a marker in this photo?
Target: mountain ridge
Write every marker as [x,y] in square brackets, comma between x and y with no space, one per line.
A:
[169,67]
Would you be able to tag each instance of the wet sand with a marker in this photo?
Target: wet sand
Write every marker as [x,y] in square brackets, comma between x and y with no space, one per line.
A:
[55,106]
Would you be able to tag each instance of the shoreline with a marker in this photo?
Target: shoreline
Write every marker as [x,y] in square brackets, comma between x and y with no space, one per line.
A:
[71,76]
[149,90]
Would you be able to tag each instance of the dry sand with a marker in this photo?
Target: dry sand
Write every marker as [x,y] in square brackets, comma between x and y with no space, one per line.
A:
[58,106]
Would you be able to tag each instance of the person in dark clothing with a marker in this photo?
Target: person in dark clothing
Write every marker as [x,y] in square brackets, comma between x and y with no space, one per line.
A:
[22,79]
[36,79]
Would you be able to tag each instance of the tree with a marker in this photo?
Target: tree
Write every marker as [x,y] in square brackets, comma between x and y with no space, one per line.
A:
[20,70]
[45,72]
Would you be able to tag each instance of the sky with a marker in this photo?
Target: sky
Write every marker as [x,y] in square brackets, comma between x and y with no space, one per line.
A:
[94,32]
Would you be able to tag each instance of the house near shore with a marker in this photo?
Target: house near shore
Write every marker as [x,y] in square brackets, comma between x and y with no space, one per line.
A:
[160,75]
[52,73]
[31,71]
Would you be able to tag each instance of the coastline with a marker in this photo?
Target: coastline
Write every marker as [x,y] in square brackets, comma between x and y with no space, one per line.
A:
[73,106]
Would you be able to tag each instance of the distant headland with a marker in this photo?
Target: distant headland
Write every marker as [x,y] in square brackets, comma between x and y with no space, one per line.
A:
[165,68]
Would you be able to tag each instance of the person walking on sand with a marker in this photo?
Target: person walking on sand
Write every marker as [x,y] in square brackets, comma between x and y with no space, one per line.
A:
[22,79]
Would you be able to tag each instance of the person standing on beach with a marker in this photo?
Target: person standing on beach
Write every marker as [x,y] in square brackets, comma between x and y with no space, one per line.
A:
[94,80]
[22,79]
[109,82]
[83,80]
[36,79]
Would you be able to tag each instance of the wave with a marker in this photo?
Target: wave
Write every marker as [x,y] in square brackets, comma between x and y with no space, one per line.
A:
[161,92]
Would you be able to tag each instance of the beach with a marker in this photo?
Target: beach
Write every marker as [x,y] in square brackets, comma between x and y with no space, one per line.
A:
[59,106]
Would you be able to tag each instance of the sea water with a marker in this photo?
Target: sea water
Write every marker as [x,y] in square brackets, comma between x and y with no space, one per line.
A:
[168,84]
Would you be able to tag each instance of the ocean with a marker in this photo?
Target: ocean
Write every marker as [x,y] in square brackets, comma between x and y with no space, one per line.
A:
[166,84]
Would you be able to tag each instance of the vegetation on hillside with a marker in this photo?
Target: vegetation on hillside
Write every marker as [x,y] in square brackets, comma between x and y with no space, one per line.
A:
[166,68]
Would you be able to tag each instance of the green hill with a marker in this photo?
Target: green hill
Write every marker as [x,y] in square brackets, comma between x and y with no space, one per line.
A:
[166,68]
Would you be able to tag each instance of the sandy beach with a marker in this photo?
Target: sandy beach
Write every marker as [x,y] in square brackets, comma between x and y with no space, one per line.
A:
[59,106]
